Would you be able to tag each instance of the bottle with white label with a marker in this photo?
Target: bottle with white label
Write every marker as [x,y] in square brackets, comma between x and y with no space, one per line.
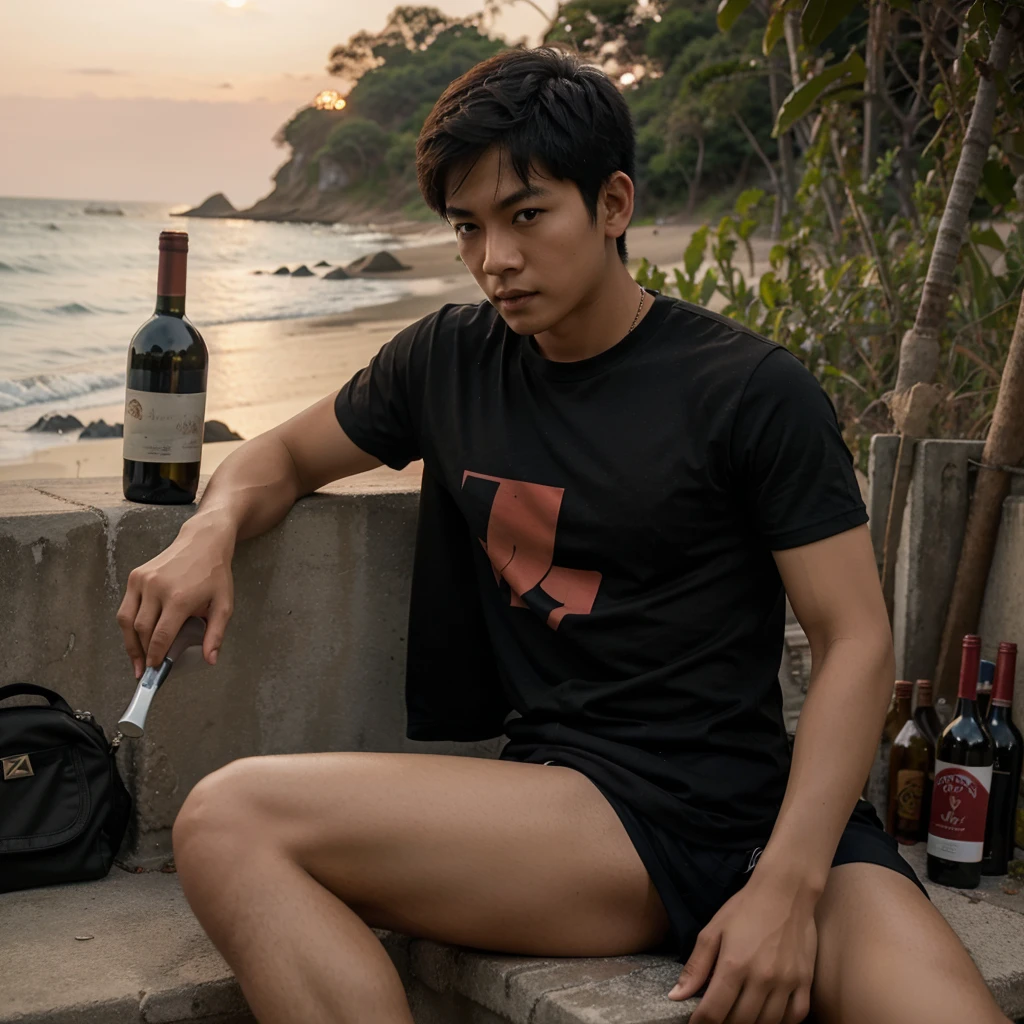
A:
[963,779]
[165,398]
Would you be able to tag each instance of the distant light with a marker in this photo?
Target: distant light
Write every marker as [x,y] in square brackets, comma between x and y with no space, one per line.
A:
[628,78]
[329,100]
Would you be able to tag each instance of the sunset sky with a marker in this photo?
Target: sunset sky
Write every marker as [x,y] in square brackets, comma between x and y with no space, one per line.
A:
[170,99]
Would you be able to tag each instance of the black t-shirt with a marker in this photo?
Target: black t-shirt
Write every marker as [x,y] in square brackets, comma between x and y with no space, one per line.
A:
[624,509]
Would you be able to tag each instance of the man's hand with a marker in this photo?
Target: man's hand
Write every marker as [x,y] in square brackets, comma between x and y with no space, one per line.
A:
[762,946]
[190,577]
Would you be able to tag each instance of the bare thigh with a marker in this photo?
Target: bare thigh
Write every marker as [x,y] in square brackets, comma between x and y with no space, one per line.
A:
[500,855]
[886,955]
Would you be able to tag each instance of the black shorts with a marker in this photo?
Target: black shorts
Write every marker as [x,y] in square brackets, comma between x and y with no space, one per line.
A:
[694,881]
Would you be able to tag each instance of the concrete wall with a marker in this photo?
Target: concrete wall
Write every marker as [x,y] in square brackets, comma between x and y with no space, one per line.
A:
[929,548]
[314,656]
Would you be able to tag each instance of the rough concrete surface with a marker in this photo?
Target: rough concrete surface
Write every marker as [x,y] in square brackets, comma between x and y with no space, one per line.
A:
[314,655]
[140,957]
[1002,613]
[929,547]
[122,950]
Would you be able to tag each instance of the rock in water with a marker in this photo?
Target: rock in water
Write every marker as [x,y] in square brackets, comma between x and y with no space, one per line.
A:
[216,431]
[380,263]
[322,263]
[337,274]
[217,205]
[100,428]
[257,271]
[303,271]
[281,270]
[55,424]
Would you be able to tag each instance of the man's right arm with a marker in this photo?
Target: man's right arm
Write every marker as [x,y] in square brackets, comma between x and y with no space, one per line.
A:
[250,492]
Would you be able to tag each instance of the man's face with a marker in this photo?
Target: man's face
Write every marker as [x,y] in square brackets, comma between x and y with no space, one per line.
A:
[532,248]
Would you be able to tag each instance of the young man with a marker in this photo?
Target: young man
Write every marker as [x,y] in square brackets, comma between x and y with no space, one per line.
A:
[642,482]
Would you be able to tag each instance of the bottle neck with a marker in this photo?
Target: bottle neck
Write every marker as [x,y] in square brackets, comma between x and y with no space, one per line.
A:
[967,707]
[999,712]
[170,305]
[903,707]
[170,283]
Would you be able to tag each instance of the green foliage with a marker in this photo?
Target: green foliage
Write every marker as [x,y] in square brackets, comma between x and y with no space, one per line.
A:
[358,144]
[827,84]
[843,312]
[396,77]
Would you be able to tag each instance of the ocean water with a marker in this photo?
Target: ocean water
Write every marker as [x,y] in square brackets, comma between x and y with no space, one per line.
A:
[75,286]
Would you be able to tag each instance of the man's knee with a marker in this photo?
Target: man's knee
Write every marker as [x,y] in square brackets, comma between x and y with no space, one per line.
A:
[219,813]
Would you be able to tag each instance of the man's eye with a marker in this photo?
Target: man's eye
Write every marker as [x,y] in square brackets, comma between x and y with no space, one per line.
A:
[463,229]
[523,213]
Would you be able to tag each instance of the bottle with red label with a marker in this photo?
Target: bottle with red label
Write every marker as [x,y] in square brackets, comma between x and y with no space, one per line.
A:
[1007,752]
[963,778]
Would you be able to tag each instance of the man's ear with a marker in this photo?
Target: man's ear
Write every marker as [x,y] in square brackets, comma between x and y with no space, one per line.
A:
[615,201]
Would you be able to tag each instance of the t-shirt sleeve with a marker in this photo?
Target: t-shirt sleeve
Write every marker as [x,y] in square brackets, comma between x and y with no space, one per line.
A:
[792,468]
[380,407]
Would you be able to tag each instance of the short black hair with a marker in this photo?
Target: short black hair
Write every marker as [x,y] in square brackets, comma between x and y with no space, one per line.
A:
[539,105]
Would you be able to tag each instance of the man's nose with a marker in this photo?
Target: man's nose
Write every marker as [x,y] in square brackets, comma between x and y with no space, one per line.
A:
[501,254]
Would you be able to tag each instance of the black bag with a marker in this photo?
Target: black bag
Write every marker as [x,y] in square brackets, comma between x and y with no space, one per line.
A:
[63,806]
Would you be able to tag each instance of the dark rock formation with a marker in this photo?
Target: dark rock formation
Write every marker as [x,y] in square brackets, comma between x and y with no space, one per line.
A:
[100,428]
[281,270]
[217,205]
[379,263]
[55,424]
[322,263]
[257,271]
[337,274]
[303,271]
[216,431]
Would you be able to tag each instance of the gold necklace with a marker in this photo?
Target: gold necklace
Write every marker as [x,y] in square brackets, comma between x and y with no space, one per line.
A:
[643,295]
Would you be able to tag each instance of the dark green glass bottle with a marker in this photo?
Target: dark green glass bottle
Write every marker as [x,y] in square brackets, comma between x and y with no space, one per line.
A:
[165,400]
[1007,753]
[963,779]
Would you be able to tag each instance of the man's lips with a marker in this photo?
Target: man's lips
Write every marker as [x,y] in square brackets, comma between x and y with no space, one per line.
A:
[513,300]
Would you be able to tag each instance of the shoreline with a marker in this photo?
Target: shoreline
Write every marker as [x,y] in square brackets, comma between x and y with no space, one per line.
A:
[263,372]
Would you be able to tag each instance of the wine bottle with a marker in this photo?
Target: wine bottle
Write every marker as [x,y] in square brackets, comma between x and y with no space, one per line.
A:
[928,722]
[963,777]
[986,674]
[876,789]
[1007,752]
[165,399]
[908,773]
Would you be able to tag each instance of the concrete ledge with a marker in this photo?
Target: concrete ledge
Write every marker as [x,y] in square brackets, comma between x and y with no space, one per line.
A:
[313,660]
[127,950]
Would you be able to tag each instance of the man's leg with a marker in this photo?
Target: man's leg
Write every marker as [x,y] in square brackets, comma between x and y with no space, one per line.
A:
[887,956]
[288,862]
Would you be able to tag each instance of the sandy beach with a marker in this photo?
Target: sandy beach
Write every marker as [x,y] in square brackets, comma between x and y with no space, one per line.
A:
[262,373]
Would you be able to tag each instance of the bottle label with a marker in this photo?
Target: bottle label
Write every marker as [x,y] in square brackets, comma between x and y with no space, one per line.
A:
[909,791]
[959,806]
[163,428]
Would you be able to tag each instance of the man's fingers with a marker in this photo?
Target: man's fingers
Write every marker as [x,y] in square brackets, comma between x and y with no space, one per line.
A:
[126,621]
[166,629]
[799,1006]
[775,1006]
[697,968]
[749,1004]
[216,625]
[716,1004]
[145,619]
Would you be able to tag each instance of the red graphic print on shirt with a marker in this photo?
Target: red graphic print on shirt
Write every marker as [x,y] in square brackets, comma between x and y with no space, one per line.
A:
[520,544]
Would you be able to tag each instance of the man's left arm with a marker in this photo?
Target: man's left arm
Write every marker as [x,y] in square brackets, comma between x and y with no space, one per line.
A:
[761,946]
